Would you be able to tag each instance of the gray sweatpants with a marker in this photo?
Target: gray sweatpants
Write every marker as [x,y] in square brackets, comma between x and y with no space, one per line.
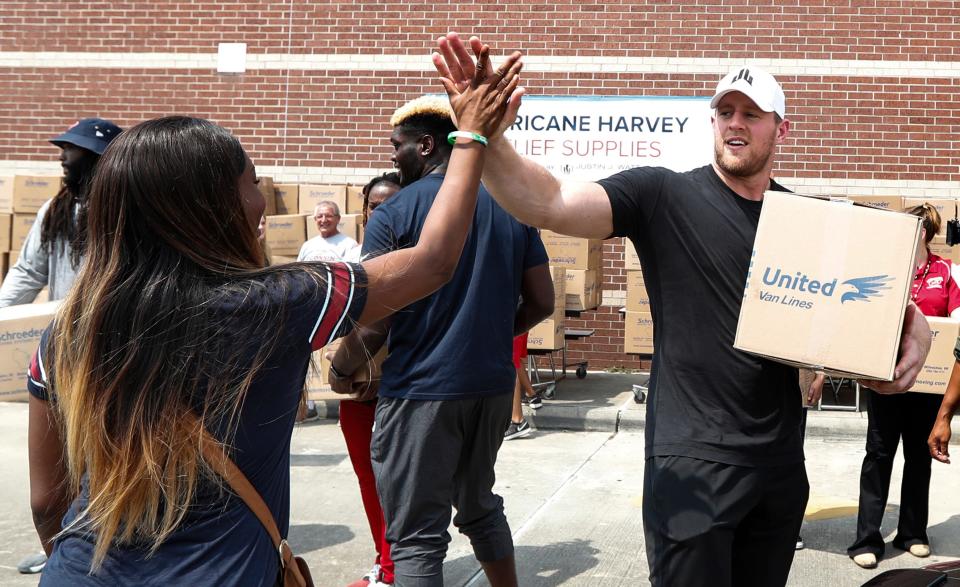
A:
[431,455]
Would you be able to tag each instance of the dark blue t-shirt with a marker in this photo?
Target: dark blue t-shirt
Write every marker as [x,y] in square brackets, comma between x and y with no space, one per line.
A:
[220,541]
[457,342]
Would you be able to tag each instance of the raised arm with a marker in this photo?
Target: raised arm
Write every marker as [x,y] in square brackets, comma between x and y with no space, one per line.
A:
[401,277]
[524,189]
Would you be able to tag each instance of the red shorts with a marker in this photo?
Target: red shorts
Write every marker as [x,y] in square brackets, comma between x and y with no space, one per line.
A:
[519,350]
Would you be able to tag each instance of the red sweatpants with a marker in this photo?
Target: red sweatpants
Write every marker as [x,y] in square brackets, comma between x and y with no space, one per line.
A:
[356,422]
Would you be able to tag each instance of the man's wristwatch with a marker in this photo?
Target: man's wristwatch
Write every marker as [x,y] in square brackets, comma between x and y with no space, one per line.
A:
[336,373]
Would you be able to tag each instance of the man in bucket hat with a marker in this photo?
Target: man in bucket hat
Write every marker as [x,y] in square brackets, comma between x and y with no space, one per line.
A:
[52,251]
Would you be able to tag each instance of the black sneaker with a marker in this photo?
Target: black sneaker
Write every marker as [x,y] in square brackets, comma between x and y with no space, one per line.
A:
[535,402]
[517,430]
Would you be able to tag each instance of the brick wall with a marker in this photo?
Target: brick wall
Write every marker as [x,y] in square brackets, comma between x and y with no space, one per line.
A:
[871,86]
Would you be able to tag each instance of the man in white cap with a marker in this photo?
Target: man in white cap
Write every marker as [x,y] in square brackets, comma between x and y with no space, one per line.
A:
[724,480]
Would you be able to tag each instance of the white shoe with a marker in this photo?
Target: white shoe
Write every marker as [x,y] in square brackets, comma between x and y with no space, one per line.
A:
[867,560]
[920,550]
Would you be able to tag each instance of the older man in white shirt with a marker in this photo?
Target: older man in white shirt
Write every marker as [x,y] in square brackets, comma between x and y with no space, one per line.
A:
[330,244]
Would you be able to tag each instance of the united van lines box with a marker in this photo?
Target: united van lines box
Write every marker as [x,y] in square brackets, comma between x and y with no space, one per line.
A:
[6,223]
[582,289]
[355,199]
[20,330]
[311,195]
[285,234]
[350,225]
[269,195]
[287,198]
[637,298]
[572,252]
[6,195]
[31,191]
[20,227]
[631,260]
[946,208]
[638,333]
[892,203]
[939,247]
[828,285]
[935,375]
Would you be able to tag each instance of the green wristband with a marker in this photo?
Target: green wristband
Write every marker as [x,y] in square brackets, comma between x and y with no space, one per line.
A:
[452,137]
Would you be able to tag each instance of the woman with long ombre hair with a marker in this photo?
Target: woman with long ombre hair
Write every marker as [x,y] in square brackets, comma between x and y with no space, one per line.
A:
[175,327]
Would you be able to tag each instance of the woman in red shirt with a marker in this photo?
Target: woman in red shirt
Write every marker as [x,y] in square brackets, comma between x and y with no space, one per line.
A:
[908,415]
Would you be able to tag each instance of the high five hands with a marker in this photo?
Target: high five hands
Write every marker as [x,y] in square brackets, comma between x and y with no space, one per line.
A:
[484,101]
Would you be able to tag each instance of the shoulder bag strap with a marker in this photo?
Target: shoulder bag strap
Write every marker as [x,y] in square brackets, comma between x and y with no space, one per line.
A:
[215,456]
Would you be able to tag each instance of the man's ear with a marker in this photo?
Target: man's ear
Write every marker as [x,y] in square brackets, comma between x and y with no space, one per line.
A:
[427,145]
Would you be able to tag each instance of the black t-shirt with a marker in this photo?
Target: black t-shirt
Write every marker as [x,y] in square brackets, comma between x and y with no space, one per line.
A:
[220,541]
[708,400]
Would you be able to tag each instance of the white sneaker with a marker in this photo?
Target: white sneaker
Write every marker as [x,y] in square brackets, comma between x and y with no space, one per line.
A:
[867,560]
[920,550]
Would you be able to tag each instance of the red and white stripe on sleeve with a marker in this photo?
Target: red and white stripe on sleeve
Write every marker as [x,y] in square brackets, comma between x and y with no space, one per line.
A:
[341,290]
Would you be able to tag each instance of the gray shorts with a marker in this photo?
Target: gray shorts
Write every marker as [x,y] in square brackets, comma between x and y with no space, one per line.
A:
[429,456]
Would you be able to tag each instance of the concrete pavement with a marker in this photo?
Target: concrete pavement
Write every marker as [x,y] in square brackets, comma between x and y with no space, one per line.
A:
[573,498]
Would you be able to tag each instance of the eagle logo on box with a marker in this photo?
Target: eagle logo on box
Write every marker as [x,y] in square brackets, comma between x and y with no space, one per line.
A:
[866,288]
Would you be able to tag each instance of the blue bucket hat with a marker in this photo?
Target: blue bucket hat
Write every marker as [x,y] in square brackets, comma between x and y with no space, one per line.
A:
[92,134]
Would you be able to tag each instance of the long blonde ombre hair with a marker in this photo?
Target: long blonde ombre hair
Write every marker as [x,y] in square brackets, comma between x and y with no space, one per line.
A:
[135,350]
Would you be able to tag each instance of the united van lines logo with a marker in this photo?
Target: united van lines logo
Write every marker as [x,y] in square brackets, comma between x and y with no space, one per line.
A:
[866,288]
[852,290]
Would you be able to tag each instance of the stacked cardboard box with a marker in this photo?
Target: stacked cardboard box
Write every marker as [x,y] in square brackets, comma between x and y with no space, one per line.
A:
[20,330]
[311,195]
[946,208]
[355,199]
[935,375]
[285,233]
[548,335]
[30,192]
[269,195]
[583,260]
[638,322]
[287,198]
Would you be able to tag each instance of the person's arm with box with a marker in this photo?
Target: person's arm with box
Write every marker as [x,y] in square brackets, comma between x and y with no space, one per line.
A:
[31,272]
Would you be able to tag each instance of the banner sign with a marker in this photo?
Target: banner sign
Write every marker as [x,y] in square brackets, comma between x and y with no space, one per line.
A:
[592,137]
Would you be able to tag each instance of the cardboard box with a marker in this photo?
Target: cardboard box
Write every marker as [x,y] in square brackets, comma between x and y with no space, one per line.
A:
[31,191]
[547,335]
[935,375]
[6,225]
[572,252]
[355,199]
[311,195]
[939,247]
[638,300]
[287,198]
[559,278]
[582,289]
[631,260]
[318,388]
[269,195]
[638,333]
[4,265]
[6,195]
[892,203]
[946,208]
[20,330]
[286,233]
[828,285]
[350,225]
[282,259]
[21,225]
[12,260]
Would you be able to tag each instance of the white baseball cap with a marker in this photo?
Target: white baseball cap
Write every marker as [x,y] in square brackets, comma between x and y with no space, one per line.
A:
[756,84]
